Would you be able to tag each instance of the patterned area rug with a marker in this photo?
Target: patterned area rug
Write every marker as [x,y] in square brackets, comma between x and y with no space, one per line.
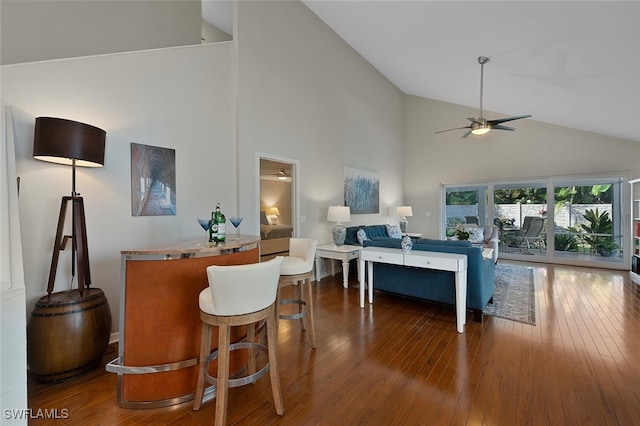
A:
[513,297]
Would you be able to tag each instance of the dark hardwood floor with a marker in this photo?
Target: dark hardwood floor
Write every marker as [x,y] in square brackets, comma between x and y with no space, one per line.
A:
[401,361]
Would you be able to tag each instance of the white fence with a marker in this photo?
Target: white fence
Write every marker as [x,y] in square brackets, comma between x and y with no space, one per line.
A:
[566,216]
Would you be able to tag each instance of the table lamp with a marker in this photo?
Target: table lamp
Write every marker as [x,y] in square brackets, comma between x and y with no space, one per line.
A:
[404,212]
[62,141]
[274,212]
[339,214]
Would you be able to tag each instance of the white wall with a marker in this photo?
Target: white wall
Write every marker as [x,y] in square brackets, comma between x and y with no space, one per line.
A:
[37,30]
[305,94]
[535,149]
[180,98]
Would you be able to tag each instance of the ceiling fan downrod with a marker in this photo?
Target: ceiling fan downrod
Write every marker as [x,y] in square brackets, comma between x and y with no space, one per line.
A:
[482,60]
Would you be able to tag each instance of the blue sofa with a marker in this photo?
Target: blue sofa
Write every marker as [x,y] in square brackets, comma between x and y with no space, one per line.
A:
[372,231]
[436,285]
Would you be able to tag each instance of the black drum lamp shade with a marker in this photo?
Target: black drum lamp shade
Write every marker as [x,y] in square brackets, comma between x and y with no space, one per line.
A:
[61,141]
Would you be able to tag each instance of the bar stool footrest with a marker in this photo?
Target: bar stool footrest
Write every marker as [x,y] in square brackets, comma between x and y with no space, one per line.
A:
[293,302]
[241,381]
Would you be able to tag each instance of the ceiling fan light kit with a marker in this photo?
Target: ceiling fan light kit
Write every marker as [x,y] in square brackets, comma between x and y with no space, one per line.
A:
[480,130]
[480,126]
[282,175]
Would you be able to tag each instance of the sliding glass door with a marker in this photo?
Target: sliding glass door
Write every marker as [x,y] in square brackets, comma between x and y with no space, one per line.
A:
[465,204]
[572,220]
[520,213]
[588,219]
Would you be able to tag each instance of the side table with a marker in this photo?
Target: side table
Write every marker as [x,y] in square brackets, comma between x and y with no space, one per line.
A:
[344,253]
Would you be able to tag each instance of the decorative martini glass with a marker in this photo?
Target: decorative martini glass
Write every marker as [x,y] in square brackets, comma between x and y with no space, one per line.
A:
[205,225]
[235,221]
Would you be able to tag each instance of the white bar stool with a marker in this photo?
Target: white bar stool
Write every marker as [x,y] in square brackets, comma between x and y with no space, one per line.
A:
[296,270]
[239,295]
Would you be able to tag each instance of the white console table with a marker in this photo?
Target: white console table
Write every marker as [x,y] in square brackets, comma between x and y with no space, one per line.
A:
[457,263]
[344,253]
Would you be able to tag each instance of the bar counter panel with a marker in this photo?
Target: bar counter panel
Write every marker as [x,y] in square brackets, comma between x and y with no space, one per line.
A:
[160,320]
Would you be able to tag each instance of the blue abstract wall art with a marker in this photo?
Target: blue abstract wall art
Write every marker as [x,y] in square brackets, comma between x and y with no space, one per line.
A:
[361,191]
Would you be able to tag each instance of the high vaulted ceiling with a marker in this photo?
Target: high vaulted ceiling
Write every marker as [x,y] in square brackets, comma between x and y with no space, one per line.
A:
[570,63]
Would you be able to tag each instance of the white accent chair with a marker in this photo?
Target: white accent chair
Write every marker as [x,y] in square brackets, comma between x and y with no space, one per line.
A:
[489,238]
[239,295]
[296,270]
[492,240]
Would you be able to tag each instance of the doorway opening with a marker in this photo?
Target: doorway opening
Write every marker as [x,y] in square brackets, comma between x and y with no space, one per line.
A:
[278,204]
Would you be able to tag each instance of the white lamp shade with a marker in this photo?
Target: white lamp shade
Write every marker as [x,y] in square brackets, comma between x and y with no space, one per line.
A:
[404,211]
[274,211]
[339,214]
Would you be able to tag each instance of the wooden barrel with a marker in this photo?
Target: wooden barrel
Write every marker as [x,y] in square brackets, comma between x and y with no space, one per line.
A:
[68,334]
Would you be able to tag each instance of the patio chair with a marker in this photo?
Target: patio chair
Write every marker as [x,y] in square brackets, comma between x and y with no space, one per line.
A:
[533,236]
[472,219]
[529,235]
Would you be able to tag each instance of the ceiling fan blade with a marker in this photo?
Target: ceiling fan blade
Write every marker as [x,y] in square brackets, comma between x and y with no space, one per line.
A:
[474,120]
[465,135]
[457,128]
[501,127]
[504,120]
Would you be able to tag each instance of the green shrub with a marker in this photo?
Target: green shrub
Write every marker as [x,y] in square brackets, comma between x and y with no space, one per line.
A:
[565,242]
[452,224]
[599,223]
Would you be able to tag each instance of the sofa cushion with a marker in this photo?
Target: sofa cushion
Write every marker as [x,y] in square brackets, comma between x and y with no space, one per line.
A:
[451,243]
[352,235]
[375,231]
[383,242]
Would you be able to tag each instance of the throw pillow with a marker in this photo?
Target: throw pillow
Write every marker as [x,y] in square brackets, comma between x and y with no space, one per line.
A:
[361,235]
[476,235]
[393,231]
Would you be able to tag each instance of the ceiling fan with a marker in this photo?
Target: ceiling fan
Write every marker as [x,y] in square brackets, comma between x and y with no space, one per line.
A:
[282,175]
[480,125]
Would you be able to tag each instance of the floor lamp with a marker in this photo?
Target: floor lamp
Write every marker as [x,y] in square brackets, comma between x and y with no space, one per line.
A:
[68,331]
[61,141]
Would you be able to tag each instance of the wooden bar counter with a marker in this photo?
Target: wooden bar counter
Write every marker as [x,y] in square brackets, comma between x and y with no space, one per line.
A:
[160,318]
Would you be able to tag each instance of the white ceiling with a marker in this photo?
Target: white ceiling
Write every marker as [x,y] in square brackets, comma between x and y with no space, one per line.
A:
[570,63]
[218,13]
